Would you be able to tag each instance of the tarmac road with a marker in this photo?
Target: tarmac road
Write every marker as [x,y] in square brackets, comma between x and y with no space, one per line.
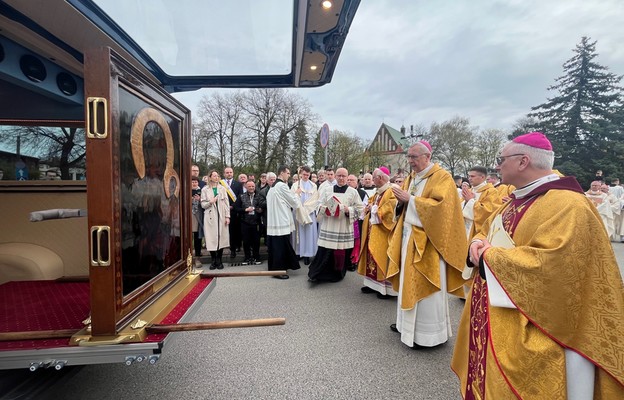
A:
[336,344]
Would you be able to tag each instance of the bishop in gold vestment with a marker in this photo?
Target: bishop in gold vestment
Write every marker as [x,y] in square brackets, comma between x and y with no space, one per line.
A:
[376,228]
[426,251]
[547,322]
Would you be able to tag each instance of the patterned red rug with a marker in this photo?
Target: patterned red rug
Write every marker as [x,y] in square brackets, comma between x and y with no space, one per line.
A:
[39,306]
[51,305]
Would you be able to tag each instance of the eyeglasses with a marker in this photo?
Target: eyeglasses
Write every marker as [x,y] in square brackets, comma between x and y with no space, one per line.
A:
[414,157]
[501,159]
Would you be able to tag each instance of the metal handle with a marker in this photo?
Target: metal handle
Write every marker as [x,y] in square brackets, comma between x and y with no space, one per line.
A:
[97,117]
[100,240]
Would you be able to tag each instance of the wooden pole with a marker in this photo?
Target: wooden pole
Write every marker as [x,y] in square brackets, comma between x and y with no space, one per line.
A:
[241,274]
[199,326]
[155,328]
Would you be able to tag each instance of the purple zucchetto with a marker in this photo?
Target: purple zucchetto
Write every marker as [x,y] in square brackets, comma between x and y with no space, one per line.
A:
[384,170]
[426,144]
[534,139]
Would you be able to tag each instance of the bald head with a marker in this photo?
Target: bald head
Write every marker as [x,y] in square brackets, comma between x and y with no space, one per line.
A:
[595,186]
[341,176]
[352,181]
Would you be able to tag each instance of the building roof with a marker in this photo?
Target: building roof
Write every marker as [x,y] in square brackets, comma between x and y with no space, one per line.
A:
[397,136]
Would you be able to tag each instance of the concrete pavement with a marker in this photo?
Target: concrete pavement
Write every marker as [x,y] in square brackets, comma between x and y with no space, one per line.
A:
[336,344]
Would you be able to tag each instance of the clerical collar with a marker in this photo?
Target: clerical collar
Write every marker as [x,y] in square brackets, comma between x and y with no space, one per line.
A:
[424,171]
[383,188]
[523,191]
[340,189]
[277,180]
[479,186]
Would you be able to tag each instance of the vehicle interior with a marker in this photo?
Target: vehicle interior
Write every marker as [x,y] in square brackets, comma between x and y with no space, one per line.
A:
[95,158]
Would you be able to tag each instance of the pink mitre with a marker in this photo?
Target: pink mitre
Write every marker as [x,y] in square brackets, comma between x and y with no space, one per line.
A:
[384,170]
[426,144]
[534,139]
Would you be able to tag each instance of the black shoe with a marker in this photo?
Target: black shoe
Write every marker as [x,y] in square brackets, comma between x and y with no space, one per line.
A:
[281,276]
[383,296]
[246,261]
[253,261]
[352,267]
[366,289]
[419,347]
[213,266]
[306,260]
[220,266]
[393,328]
[295,267]
[232,254]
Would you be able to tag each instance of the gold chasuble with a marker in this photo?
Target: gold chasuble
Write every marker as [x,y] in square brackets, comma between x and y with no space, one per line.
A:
[563,279]
[504,190]
[489,201]
[374,239]
[443,235]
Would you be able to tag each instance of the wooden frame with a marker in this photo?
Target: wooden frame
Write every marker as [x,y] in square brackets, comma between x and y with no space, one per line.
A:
[122,108]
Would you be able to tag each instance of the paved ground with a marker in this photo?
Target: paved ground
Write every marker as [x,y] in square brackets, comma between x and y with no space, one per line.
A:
[336,344]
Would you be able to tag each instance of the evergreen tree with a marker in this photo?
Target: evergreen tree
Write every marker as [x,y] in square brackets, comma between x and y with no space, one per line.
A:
[581,120]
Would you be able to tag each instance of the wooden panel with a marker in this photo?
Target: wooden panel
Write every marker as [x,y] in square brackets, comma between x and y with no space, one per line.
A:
[138,189]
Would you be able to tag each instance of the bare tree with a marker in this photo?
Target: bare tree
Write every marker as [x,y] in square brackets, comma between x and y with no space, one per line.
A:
[346,150]
[220,128]
[488,144]
[273,115]
[452,143]
[61,146]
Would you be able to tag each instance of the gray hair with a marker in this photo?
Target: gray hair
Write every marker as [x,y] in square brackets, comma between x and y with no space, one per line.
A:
[540,158]
[381,174]
[271,175]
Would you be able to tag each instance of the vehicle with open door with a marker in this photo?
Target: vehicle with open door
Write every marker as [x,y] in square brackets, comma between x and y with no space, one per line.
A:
[95,239]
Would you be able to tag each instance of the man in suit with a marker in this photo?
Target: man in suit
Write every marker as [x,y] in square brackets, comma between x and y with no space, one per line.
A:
[234,190]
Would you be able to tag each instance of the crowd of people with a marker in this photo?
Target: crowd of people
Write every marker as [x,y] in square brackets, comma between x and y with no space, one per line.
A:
[609,201]
[531,256]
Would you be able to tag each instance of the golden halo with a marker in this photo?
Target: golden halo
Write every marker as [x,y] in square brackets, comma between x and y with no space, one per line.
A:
[142,118]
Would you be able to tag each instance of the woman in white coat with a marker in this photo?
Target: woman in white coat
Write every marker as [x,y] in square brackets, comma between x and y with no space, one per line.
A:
[214,200]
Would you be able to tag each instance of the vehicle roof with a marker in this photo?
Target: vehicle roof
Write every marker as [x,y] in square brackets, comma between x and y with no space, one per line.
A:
[191,44]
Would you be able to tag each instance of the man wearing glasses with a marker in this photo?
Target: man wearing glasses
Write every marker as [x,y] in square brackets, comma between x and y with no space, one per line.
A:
[195,173]
[548,296]
[339,207]
[427,250]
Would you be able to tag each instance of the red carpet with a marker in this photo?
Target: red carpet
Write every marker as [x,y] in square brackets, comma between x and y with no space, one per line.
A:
[42,305]
[50,305]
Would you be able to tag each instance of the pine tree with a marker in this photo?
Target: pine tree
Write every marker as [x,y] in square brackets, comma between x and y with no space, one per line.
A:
[581,121]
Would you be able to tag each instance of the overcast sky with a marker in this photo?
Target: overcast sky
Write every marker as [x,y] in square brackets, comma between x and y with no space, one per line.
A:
[415,62]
